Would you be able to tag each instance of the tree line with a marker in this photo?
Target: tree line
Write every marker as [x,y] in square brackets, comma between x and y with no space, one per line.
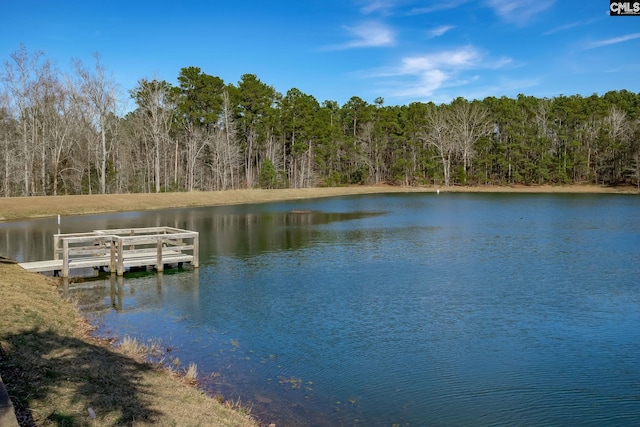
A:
[62,133]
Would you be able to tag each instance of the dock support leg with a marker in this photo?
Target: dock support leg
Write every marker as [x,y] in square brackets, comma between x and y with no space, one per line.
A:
[196,252]
[120,261]
[56,243]
[159,264]
[65,258]
[112,260]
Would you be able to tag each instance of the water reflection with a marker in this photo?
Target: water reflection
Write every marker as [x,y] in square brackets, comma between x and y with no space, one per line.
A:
[112,292]
[247,235]
[223,231]
[28,240]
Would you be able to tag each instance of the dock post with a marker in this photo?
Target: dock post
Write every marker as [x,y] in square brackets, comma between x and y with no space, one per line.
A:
[195,263]
[112,261]
[65,258]
[56,242]
[159,264]
[120,261]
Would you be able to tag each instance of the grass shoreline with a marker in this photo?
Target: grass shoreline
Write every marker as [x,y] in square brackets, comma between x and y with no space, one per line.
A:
[56,373]
[17,208]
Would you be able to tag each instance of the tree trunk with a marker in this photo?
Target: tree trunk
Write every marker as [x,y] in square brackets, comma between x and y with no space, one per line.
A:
[446,166]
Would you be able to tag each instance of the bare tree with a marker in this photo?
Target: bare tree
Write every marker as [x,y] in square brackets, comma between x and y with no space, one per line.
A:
[134,154]
[19,76]
[619,128]
[469,121]
[366,153]
[233,159]
[98,93]
[8,134]
[436,132]
[63,129]
[634,149]
[196,139]
[616,122]
[588,131]
[157,107]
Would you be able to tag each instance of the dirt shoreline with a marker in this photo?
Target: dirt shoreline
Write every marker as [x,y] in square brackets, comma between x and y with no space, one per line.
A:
[16,208]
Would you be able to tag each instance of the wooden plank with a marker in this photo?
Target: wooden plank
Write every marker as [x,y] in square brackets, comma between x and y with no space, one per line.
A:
[88,251]
[102,261]
[132,231]
[141,240]
[149,259]
[42,266]
[140,262]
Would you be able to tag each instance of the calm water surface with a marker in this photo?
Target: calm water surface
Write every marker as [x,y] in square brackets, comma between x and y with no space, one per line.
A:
[419,309]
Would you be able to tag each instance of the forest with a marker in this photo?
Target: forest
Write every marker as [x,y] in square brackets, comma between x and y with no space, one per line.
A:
[66,133]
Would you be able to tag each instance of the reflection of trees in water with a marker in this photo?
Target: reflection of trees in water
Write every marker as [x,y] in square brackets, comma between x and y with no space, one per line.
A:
[251,234]
[26,243]
[230,231]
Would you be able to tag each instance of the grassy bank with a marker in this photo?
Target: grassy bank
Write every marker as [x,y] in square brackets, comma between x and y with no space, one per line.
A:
[13,208]
[57,375]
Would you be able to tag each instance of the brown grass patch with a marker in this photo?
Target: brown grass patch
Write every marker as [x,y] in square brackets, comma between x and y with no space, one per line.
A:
[12,208]
[56,374]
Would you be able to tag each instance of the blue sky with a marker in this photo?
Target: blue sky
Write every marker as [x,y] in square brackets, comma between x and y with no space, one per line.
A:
[400,50]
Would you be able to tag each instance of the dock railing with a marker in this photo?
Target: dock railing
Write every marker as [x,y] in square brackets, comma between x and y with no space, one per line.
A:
[125,248]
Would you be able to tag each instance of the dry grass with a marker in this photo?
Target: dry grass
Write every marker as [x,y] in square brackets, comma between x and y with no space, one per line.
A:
[57,375]
[132,347]
[192,372]
[12,208]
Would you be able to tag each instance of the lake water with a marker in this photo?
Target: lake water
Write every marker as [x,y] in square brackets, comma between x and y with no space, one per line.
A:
[408,310]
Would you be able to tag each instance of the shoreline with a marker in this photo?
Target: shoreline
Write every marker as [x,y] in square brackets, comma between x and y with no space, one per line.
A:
[31,207]
[55,369]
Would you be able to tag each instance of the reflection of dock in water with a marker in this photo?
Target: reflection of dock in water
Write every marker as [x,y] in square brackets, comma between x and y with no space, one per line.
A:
[119,250]
[96,295]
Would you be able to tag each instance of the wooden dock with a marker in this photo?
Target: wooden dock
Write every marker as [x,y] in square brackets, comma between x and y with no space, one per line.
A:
[119,250]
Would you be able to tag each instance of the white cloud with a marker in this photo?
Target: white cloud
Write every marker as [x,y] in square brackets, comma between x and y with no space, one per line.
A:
[368,34]
[451,59]
[562,28]
[614,40]
[428,82]
[377,6]
[518,11]
[437,32]
[427,75]
[436,7]
[569,26]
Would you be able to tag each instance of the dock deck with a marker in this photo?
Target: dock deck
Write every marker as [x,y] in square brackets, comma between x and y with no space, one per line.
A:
[119,250]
